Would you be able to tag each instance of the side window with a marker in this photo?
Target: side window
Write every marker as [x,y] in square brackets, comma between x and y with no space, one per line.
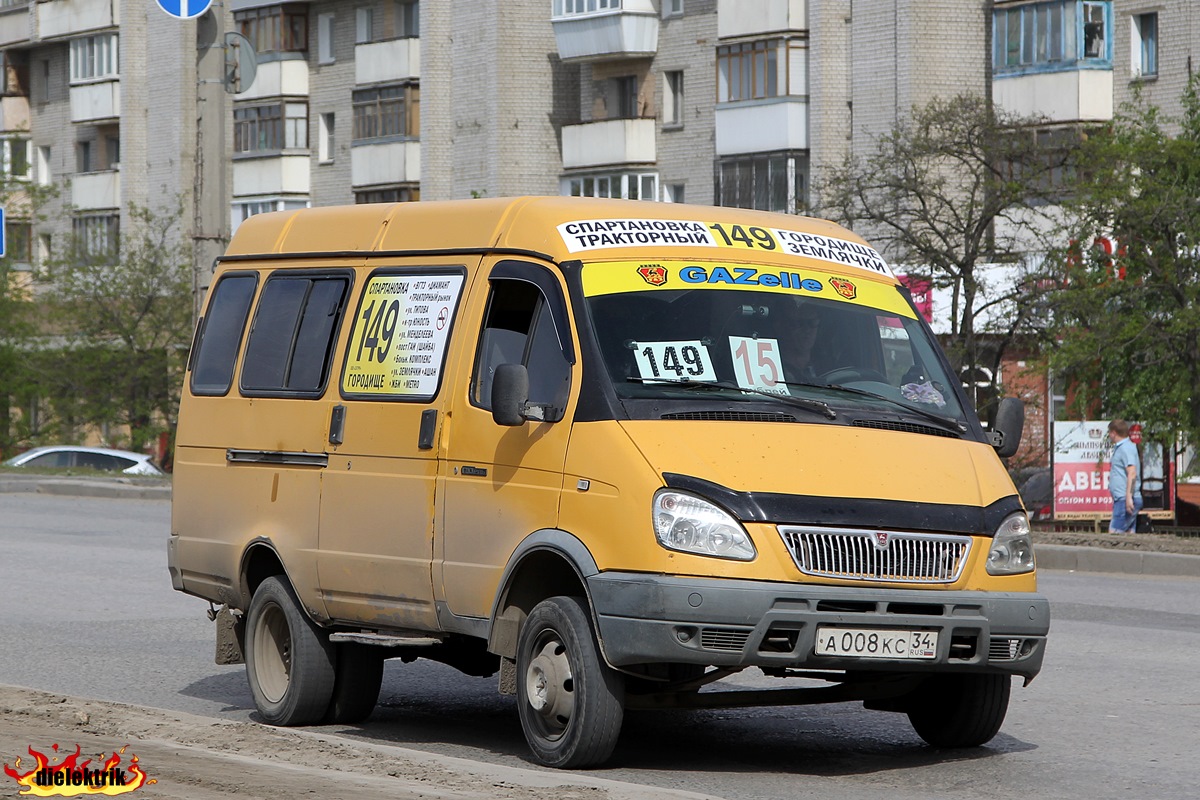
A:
[291,342]
[101,461]
[221,334]
[57,460]
[519,329]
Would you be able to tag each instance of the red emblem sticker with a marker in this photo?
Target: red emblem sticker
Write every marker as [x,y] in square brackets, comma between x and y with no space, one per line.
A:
[881,540]
[653,274]
[844,287]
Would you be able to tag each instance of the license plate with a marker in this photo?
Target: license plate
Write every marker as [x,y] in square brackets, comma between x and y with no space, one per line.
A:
[865,643]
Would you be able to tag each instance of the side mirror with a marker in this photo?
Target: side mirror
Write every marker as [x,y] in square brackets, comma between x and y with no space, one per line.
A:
[510,393]
[1010,423]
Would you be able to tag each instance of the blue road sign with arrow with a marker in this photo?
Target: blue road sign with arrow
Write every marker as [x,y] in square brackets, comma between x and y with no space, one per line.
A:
[3,234]
[184,9]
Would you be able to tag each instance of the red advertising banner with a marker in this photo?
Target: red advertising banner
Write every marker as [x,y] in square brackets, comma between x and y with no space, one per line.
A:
[1081,470]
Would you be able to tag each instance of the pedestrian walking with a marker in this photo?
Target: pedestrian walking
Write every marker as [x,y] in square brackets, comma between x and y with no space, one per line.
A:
[1124,479]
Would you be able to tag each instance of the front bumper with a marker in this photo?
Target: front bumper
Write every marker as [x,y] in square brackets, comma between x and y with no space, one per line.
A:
[646,619]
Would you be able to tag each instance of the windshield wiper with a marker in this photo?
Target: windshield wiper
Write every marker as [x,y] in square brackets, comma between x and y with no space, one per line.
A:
[946,422]
[816,406]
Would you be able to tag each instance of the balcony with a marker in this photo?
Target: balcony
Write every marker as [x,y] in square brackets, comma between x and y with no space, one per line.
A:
[608,143]
[14,113]
[276,78]
[1076,95]
[95,101]
[271,175]
[14,22]
[59,18]
[92,191]
[762,126]
[393,60]
[758,17]
[387,162]
[629,31]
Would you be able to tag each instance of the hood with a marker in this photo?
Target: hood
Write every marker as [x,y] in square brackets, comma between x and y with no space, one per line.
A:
[890,478]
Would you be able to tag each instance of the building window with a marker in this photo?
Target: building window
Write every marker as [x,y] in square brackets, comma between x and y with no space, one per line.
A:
[325,140]
[408,19]
[97,237]
[1042,36]
[94,58]
[246,207]
[673,193]
[112,149]
[16,72]
[44,249]
[387,111]
[405,193]
[627,97]
[270,128]
[275,29]
[625,185]
[564,8]
[1145,45]
[42,172]
[754,70]
[364,22]
[762,181]
[325,38]
[18,242]
[42,95]
[17,155]
[672,8]
[83,156]
[673,99]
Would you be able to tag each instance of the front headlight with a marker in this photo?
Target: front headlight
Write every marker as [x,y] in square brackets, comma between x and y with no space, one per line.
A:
[691,524]
[1012,547]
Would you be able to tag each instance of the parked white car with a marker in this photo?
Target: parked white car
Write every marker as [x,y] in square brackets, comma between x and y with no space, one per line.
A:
[98,458]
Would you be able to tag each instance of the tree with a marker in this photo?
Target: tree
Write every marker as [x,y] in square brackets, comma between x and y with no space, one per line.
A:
[1128,314]
[948,191]
[127,321]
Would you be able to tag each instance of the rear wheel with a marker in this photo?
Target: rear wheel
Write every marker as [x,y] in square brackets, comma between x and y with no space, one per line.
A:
[356,687]
[289,660]
[959,710]
[570,701]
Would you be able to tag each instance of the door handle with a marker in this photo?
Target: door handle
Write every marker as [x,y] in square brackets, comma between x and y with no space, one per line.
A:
[428,429]
[337,424]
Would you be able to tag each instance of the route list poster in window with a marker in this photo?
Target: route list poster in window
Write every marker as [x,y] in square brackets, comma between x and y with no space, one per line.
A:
[398,344]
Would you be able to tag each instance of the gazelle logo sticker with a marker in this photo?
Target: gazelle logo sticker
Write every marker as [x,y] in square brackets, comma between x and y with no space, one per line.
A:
[845,288]
[70,778]
[653,274]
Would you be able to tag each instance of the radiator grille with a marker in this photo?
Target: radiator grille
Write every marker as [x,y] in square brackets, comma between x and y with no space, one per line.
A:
[877,555]
[727,639]
[1004,649]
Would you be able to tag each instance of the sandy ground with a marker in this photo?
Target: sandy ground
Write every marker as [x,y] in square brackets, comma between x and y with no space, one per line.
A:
[198,758]
[1152,542]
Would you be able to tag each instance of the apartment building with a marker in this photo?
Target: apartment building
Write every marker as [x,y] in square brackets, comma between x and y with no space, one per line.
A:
[734,102]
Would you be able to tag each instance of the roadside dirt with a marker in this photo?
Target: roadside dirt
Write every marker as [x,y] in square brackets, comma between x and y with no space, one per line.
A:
[1149,542]
[196,758]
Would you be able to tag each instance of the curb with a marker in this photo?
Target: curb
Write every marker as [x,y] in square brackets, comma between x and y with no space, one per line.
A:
[1126,562]
[101,487]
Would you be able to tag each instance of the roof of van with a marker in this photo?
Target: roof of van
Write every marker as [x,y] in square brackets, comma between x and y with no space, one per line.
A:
[557,228]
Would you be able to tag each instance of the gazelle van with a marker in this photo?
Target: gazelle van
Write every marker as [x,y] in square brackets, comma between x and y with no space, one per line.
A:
[609,451]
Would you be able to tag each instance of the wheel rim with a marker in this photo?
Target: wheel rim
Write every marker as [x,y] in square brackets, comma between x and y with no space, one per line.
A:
[272,653]
[550,686]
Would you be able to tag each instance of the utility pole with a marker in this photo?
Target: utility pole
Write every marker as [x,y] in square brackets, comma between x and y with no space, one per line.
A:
[210,204]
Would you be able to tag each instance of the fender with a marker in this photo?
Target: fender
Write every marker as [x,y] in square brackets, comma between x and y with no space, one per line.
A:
[561,543]
[243,584]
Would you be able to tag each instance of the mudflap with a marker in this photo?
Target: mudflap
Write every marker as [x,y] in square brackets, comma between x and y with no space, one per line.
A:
[231,636]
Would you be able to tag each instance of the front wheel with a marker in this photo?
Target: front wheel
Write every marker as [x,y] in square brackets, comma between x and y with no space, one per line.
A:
[958,710]
[571,703]
[289,660]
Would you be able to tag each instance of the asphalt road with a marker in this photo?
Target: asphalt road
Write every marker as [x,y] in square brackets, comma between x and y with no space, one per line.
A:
[86,608]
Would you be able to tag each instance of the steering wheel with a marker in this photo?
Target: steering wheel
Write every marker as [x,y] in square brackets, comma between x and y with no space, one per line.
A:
[851,374]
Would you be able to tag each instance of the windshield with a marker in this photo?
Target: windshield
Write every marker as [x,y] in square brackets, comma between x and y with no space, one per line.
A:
[748,331]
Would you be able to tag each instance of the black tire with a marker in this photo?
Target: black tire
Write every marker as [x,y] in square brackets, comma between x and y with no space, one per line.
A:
[356,687]
[289,660]
[958,710]
[571,703]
